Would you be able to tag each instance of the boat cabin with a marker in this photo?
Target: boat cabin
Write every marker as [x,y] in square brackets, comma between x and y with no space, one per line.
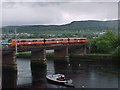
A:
[61,78]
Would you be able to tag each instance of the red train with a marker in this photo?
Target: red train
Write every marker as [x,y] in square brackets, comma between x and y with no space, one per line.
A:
[41,41]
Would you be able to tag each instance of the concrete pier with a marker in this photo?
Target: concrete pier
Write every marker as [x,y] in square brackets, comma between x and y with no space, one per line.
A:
[39,76]
[9,80]
[61,54]
[9,69]
[9,60]
[81,50]
[38,57]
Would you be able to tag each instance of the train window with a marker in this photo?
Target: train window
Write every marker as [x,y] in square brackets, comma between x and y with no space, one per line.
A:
[34,40]
[23,41]
[40,40]
[59,40]
[48,40]
[82,39]
[56,39]
[52,40]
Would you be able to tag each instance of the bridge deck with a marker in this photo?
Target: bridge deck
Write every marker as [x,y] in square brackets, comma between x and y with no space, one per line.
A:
[37,47]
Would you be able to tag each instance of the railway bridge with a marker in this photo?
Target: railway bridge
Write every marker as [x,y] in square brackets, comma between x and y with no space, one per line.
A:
[38,53]
[38,59]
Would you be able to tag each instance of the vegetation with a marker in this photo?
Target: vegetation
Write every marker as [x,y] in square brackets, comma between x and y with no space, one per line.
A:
[117,51]
[107,43]
[87,29]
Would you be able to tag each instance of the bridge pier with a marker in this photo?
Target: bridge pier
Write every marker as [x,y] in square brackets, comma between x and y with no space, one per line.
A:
[9,69]
[39,77]
[38,57]
[81,50]
[9,79]
[9,60]
[61,54]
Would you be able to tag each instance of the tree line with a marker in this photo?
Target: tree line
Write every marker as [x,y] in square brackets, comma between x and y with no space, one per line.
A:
[108,43]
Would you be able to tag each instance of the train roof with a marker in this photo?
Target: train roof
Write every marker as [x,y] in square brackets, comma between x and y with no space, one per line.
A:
[47,38]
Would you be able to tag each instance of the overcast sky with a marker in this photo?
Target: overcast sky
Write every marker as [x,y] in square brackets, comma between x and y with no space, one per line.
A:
[34,12]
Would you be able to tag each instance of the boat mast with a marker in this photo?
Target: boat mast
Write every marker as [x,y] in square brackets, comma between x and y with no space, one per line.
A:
[16,41]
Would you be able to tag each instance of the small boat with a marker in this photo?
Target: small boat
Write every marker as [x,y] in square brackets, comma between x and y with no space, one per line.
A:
[60,79]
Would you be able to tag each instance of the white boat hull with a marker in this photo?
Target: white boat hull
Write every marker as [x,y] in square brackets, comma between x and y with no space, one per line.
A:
[53,78]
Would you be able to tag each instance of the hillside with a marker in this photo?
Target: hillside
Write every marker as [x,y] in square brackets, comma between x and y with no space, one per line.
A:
[75,27]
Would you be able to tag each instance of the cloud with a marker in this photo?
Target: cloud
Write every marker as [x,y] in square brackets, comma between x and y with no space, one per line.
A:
[29,13]
[21,13]
[60,0]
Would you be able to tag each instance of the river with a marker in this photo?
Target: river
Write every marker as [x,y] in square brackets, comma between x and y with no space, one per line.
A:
[84,75]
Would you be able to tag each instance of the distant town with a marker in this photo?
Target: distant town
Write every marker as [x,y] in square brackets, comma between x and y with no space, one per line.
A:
[28,35]
[88,29]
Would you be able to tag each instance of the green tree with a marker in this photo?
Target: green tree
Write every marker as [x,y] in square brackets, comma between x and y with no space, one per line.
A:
[109,36]
[117,42]
[117,51]
[117,47]
[103,46]
[104,43]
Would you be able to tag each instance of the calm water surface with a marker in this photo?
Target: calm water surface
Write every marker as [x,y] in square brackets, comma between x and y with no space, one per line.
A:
[82,74]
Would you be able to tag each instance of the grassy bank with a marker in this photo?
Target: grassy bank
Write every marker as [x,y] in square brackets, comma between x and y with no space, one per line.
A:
[24,55]
[95,58]
[87,57]
[28,55]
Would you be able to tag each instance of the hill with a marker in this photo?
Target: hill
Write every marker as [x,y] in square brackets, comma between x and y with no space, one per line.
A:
[75,27]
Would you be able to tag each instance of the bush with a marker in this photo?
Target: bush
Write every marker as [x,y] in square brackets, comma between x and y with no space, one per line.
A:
[104,43]
[103,46]
[117,51]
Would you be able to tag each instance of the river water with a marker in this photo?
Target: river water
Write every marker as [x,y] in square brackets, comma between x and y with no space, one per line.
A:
[84,75]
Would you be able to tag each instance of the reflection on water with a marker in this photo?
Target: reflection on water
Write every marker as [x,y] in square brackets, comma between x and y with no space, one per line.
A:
[24,71]
[82,74]
[38,76]
[9,79]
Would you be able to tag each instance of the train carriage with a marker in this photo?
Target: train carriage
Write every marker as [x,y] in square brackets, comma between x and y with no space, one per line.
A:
[45,41]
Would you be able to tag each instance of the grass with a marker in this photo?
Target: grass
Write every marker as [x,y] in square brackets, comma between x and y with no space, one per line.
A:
[28,54]
[87,57]
[24,52]
[99,54]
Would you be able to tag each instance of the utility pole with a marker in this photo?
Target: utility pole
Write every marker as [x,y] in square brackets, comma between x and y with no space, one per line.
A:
[16,41]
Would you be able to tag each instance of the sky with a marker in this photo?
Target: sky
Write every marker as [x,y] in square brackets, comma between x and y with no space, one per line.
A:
[54,12]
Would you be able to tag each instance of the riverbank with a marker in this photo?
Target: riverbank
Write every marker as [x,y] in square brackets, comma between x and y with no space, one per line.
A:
[84,58]
[94,56]
[28,55]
